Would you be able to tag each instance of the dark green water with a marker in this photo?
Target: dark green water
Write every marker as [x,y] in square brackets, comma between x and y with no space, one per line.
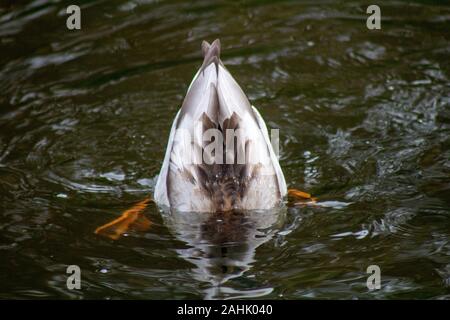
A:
[364,119]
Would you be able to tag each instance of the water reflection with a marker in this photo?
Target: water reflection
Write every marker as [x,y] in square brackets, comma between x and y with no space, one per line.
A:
[222,246]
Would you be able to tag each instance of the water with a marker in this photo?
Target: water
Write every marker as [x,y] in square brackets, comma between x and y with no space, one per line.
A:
[364,119]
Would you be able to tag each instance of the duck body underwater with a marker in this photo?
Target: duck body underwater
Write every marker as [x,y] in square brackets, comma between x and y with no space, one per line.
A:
[194,178]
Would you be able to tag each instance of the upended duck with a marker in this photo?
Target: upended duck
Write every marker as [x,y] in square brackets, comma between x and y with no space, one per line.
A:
[239,171]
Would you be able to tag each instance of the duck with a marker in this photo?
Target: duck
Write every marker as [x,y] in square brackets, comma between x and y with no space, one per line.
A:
[215,102]
[219,157]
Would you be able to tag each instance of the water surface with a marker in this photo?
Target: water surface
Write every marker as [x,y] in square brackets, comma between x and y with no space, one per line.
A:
[364,119]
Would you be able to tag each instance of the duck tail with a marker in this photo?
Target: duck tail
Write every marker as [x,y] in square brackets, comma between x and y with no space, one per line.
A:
[211,54]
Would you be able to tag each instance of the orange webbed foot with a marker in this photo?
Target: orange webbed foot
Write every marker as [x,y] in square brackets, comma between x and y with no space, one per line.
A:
[131,218]
[301,197]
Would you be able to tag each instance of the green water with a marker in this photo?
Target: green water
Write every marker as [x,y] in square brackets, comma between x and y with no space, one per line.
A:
[364,119]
